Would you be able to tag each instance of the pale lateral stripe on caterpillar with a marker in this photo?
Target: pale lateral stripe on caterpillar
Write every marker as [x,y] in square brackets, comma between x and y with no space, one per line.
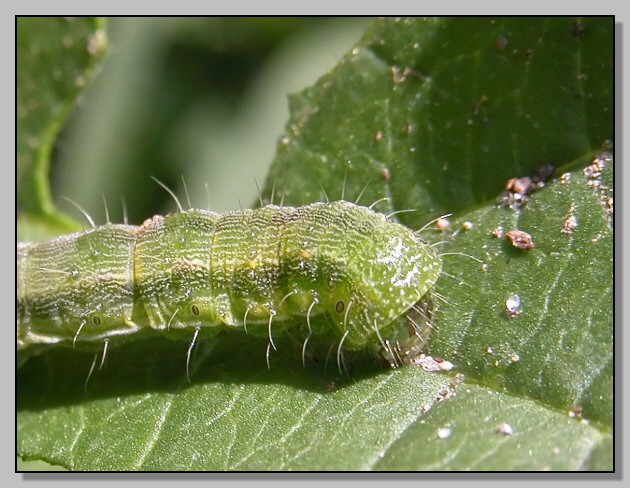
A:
[343,270]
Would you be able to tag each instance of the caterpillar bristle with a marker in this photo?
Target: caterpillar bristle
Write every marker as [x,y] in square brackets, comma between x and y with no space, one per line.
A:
[171,193]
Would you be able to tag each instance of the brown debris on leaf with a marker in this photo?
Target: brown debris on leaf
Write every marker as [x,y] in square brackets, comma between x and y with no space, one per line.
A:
[520,239]
[517,190]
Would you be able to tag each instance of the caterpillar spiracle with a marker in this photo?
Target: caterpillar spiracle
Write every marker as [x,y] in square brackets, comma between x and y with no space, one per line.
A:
[334,270]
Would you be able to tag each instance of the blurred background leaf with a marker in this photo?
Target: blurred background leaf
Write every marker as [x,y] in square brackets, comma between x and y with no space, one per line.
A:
[435,114]
[56,58]
[203,99]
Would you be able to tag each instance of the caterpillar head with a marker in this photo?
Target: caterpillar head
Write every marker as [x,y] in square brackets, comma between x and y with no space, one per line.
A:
[387,269]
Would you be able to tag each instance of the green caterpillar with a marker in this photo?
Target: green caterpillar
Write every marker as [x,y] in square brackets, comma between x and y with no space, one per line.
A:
[337,271]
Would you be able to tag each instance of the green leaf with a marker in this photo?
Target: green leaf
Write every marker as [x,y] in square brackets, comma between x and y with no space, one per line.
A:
[437,115]
[56,58]
[558,348]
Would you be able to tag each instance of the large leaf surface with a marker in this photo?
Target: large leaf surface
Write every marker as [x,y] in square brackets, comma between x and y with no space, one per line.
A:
[436,115]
